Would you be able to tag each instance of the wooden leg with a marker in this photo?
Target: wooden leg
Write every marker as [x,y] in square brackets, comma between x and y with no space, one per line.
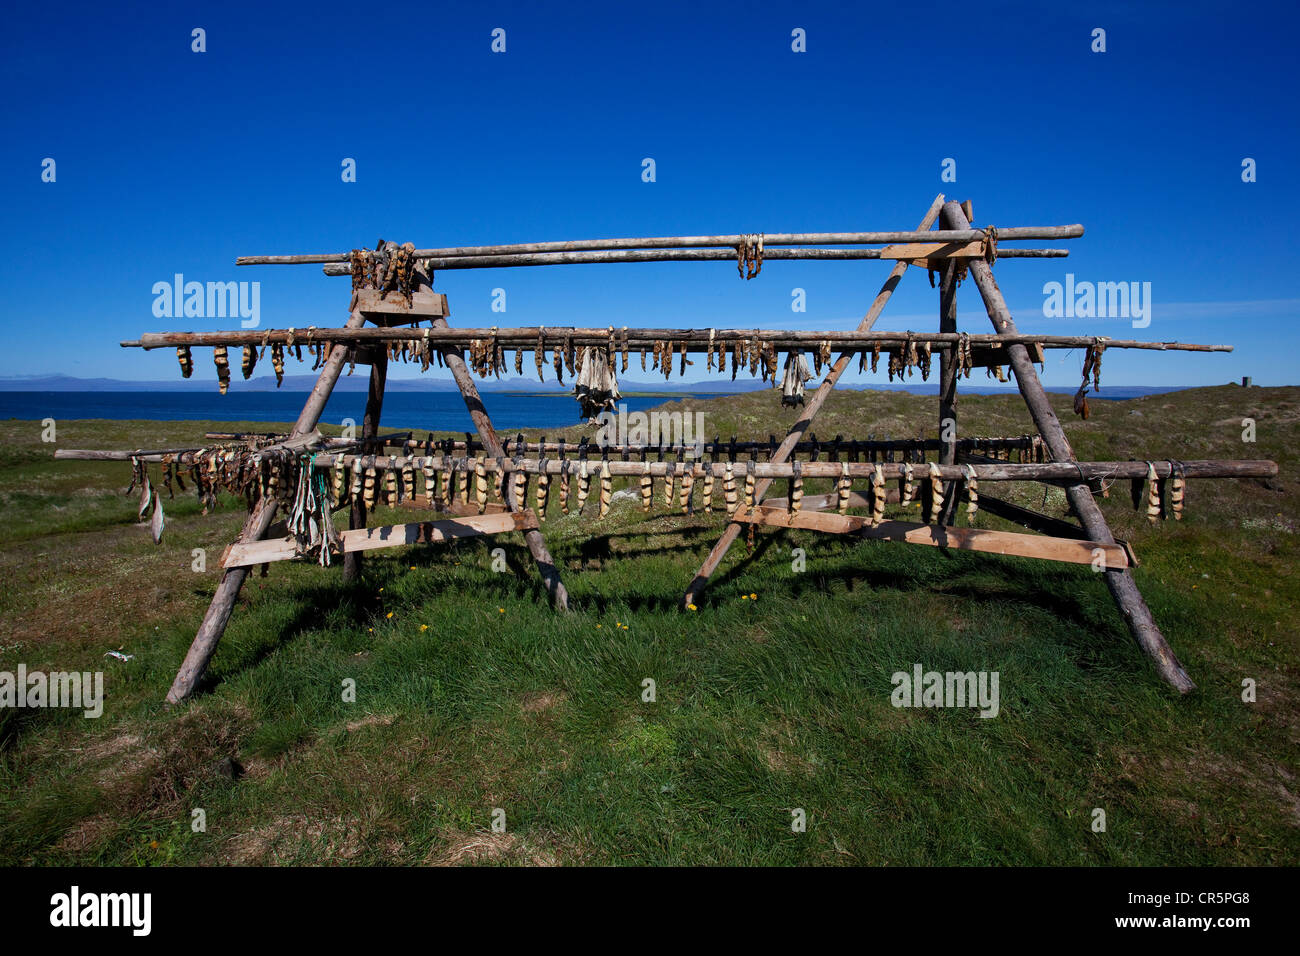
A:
[787,447]
[948,388]
[1122,587]
[223,602]
[369,429]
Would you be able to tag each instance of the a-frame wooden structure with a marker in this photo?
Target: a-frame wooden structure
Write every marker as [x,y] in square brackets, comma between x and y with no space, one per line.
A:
[952,251]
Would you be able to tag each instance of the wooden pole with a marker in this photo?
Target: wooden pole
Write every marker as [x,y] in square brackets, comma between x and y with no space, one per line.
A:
[948,384]
[369,431]
[695,340]
[223,602]
[694,242]
[672,255]
[1121,583]
[810,411]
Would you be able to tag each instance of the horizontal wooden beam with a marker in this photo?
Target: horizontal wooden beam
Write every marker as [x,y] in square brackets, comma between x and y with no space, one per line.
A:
[693,242]
[242,554]
[694,340]
[1069,551]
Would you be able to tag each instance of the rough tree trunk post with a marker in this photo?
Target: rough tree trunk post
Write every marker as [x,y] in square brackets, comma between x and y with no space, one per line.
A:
[223,602]
[369,430]
[492,445]
[1121,583]
[814,405]
[948,385]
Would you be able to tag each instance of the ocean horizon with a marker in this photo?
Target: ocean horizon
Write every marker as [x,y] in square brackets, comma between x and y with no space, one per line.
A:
[441,411]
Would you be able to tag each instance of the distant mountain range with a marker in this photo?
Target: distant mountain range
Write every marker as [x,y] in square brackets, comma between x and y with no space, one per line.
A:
[358,382]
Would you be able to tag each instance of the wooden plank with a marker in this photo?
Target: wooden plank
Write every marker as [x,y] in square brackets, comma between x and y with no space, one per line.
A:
[934,250]
[1066,550]
[243,554]
[391,308]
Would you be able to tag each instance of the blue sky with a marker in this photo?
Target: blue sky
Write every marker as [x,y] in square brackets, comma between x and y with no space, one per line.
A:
[173,161]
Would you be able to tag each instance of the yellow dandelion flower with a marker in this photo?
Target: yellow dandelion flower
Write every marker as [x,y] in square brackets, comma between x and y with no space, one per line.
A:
[389,614]
[753,597]
[691,607]
[424,627]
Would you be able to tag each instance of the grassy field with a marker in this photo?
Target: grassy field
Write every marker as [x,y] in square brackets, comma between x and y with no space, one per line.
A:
[471,694]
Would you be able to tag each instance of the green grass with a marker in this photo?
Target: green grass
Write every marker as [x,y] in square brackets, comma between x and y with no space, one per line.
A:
[474,695]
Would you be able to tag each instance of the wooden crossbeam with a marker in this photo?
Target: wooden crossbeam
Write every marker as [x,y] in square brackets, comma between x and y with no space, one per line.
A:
[268,550]
[923,253]
[1067,550]
[392,309]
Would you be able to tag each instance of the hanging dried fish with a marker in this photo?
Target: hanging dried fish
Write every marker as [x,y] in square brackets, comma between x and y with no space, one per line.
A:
[936,494]
[446,479]
[796,486]
[624,348]
[407,488]
[606,487]
[972,494]
[499,486]
[186,360]
[596,387]
[925,356]
[1153,494]
[750,483]
[543,489]
[340,475]
[708,352]
[647,489]
[390,482]
[729,489]
[688,480]
[480,485]
[430,479]
[223,368]
[908,489]
[539,353]
[277,363]
[707,491]
[668,486]
[520,478]
[877,495]
[875,355]
[1176,492]
[584,485]
[796,374]
[564,487]
[369,499]
[842,490]
[463,468]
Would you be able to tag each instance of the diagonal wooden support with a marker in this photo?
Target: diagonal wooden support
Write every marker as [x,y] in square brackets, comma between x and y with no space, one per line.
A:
[814,405]
[255,528]
[1122,586]
[492,445]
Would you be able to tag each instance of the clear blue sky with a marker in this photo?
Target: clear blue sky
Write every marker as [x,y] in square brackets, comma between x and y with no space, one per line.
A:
[172,161]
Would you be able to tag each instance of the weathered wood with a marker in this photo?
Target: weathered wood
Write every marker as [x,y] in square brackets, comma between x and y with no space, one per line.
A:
[1121,584]
[223,602]
[1067,550]
[354,541]
[912,251]
[382,308]
[672,255]
[948,372]
[695,340]
[693,242]
[810,411]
